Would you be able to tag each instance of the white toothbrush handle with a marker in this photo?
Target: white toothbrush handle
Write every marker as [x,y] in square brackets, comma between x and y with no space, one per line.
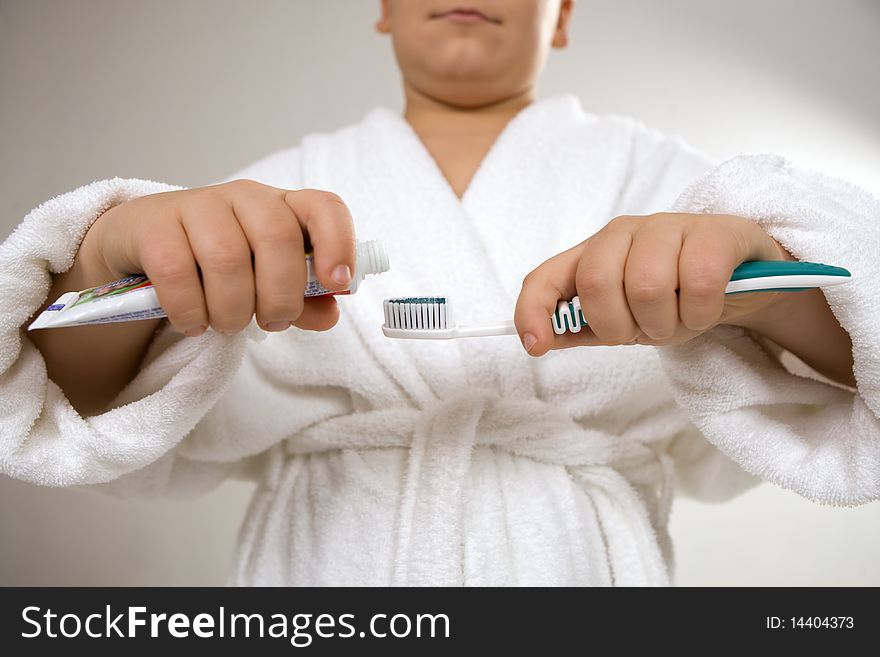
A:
[502,328]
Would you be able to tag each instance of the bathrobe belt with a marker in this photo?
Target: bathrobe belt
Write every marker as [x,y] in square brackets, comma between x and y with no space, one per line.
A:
[440,439]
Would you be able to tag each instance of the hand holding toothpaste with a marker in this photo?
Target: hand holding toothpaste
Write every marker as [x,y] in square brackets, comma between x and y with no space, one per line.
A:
[219,255]
[215,255]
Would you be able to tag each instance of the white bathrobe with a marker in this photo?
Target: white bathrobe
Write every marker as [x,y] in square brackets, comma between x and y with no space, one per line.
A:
[467,462]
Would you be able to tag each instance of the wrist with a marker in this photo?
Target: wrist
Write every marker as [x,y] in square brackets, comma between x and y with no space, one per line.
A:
[803,324]
[89,267]
[777,308]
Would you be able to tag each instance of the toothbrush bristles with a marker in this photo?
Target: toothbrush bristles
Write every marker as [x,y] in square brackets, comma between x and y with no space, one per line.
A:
[420,313]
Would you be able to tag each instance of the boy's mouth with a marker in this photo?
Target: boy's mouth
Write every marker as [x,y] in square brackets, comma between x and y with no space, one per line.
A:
[466,15]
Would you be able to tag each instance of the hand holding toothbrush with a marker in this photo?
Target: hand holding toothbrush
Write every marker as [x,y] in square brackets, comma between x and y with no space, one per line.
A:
[661,280]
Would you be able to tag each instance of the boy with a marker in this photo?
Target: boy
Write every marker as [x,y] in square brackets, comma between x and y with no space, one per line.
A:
[384,462]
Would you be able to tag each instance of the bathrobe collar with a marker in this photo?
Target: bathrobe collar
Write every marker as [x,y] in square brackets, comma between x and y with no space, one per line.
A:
[474,250]
[489,220]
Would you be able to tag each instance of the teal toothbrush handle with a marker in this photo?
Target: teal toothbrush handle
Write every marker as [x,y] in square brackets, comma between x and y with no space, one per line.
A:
[751,276]
[784,275]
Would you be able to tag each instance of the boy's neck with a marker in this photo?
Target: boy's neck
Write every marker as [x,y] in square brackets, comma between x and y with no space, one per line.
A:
[428,115]
[458,138]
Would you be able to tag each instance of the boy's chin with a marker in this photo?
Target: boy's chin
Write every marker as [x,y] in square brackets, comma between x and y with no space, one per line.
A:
[468,89]
[470,95]
[458,92]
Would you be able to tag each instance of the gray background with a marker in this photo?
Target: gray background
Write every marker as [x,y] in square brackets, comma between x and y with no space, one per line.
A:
[188,91]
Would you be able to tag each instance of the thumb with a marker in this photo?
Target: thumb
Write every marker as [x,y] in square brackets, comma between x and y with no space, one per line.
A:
[541,291]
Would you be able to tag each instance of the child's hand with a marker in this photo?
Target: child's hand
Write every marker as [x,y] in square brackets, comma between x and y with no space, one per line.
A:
[215,231]
[654,280]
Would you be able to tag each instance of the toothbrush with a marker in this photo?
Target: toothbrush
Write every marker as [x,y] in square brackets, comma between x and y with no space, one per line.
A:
[430,318]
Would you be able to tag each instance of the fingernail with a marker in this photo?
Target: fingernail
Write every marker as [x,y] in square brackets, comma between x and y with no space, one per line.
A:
[529,341]
[195,332]
[342,275]
[277,326]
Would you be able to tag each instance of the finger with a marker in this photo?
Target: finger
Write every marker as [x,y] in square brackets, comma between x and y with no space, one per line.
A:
[319,314]
[224,256]
[705,265]
[541,291]
[600,286]
[276,239]
[168,261]
[327,222]
[651,277]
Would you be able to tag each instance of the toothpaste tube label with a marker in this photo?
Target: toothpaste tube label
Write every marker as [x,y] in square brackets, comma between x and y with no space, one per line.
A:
[136,282]
[128,299]
[313,287]
[125,300]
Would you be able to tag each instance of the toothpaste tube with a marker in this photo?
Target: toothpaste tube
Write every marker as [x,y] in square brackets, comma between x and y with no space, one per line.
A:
[134,297]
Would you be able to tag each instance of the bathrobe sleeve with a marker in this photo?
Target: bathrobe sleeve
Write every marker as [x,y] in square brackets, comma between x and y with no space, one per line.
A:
[815,438]
[140,438]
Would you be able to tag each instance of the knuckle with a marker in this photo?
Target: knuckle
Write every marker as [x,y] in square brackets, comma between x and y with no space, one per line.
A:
[200,202]
[193,196]
[532,278]
[332,198]
[319,196]
[701,291]
[593,281]
[702,285]
[279,232]
[645,291]
[167,271]
[195,202]
[227,260]
[244,185]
